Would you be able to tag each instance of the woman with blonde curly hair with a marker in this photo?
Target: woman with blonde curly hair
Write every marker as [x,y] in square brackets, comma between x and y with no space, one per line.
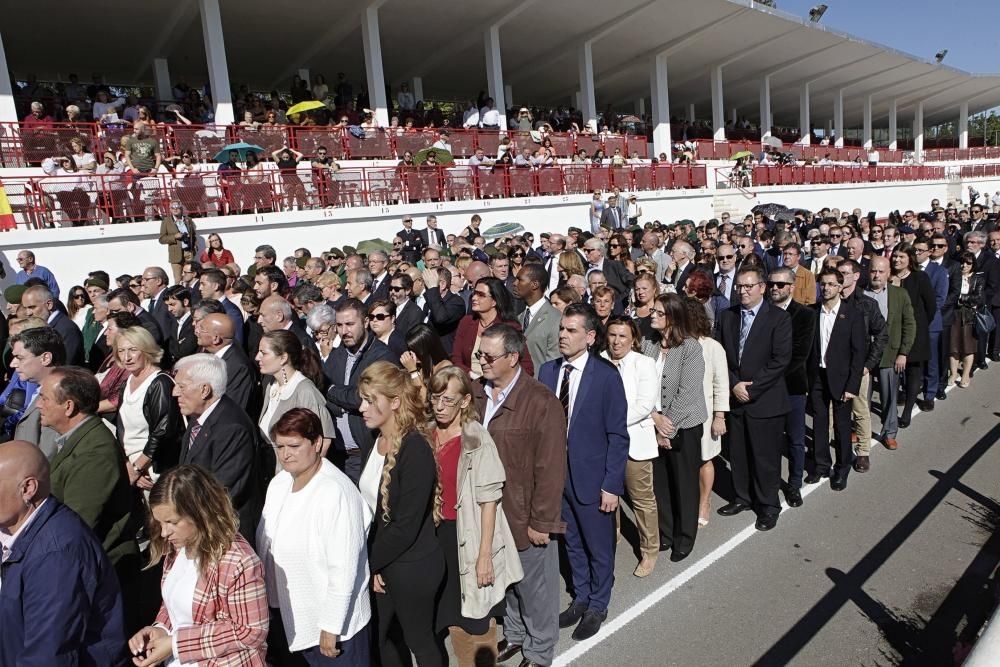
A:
[214,608]
[399,482]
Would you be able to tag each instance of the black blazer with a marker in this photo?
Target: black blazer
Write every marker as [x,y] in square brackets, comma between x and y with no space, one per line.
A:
[230,447]
[158,309]
[766,354]
[803,327]
[621,280]
[445,314]
[430,236]
[409,534]
[343,398]
[159,407]
[182,343]
[845,353]
[242,380]
[954,291]
[409,317]
[382,291]
[682,278]
[72,339]
[918,286]
[151,325]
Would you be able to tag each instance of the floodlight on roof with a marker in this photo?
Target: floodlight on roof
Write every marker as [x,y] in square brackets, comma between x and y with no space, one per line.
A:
[816,13]
[939,56]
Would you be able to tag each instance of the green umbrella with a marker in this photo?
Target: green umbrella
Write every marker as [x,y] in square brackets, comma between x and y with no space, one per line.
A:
[371,245]
[503,229]
[741,154]
[444,158]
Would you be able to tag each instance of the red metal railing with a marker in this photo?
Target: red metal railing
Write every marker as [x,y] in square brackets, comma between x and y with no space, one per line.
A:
[724,150]
[767,175]
[980,170]
[40,202]
[978,153]
[22,146]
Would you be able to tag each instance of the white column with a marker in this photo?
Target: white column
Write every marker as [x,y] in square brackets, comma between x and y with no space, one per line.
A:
[893,131]
[718,111]
[585,59]
[577,100]
[304,75]
[508,94]
[867,122]
[828,127]
[838,117]
[215,54]
[963,125]
[733,116]
[640,107]
[372,43]
[765,107]
[918,134]
[661,105]
[8,111]
[805,123]
[161,79]
[417,88]
[494,72]
[691,113]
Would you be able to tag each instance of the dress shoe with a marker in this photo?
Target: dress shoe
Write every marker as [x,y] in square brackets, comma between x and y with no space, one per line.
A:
[941,395]
[644,568]
[925,405]
[982,365]
[677,556]
[767,522]
[574,612]
[904,422]
[838,482]
[589,624]
[890,443]
[525,663]
[862,464]
[792,496]
[995,356]
[506,650]
[733,508]
[816,477]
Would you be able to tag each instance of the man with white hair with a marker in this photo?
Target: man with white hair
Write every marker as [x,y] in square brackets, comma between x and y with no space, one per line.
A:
[276,314]
[682,253]
[220,437]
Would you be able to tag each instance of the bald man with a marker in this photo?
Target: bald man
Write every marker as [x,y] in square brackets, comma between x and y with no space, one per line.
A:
[60,602]
[215,335]
[276,314]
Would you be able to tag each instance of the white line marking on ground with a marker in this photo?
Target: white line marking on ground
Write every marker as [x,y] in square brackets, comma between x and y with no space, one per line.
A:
[645,604]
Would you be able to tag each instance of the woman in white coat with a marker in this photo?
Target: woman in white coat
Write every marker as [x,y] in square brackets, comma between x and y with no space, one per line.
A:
[716,385]
[642,386]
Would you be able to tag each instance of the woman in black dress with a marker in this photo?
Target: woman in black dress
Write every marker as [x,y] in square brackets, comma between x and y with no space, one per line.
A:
[906,273]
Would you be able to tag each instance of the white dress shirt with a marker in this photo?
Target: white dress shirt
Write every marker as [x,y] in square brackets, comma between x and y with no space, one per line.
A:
[827,318]
[574,380]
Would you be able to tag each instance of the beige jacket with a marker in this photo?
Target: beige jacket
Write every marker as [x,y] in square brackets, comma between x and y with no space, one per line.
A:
[481,480]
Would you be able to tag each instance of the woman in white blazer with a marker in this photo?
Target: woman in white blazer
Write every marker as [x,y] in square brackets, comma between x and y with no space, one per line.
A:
[642,386]
[716,385]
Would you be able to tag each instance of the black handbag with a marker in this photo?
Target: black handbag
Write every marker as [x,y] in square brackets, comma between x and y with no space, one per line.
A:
[985,322]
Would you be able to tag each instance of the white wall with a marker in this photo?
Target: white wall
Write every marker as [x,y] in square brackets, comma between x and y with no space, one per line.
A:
[129,248]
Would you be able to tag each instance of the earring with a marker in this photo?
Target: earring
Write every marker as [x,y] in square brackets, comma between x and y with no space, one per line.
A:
[284,375]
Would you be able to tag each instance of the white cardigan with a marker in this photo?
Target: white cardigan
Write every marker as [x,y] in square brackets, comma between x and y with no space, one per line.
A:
[716,386]
[316,560]
[642,388]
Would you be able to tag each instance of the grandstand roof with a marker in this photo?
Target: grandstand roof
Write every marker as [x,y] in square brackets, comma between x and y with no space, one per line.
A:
[442,41]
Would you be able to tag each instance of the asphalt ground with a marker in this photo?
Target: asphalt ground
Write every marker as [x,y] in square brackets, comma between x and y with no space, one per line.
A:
[898,569]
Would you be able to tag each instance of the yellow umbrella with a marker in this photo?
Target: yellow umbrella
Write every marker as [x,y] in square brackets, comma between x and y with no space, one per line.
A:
[305,106]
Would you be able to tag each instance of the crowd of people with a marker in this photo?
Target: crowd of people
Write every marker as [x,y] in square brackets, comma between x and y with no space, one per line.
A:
[343,458]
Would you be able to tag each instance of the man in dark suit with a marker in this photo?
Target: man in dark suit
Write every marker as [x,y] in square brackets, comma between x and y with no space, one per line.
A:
[212,285]
[125,299]
[35,352]
[757,338]
[215,336]
[154,284]
[781,284]
[413,241]
[408,313]
[940,255]
[432,236]
[593,398]
[540,319]
[181,340]
[443,309]
[359,349]
[221,438]
[40,303]
[618,277]
[836,364]
[377,263]
[612,217]
[682,254]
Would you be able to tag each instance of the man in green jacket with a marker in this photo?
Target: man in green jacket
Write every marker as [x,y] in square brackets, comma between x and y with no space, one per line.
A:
[894,303]
[88,469]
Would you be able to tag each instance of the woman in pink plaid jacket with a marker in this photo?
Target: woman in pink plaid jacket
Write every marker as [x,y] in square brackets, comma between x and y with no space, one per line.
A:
[214,611]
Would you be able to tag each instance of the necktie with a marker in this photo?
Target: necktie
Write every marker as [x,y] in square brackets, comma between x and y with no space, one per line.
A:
[722,283]
[564,390]
[614,212]
[195,430]
[526,320]
[745,331]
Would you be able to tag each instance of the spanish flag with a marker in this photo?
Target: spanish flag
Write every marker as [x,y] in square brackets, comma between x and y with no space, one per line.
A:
[6,215]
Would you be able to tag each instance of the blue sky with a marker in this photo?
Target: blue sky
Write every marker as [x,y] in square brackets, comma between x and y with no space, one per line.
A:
[919,27]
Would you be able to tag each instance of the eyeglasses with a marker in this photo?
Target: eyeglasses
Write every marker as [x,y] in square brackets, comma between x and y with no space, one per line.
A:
[780,284]
[835,236]
[744,288]
[79,296]
[489,359]
[447,401]
[396,288]
[614,245]
[379,316]
[134,285]
[723,257]
[940,245]
[921,250]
